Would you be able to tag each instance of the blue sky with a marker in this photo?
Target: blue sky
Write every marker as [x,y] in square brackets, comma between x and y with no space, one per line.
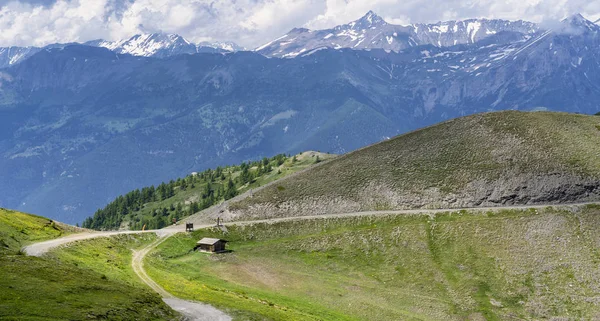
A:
[247,22]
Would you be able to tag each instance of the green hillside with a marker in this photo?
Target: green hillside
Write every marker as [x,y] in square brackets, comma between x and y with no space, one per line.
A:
[50,288]
[19,229]
[501,158]
[157,207]
[537,264]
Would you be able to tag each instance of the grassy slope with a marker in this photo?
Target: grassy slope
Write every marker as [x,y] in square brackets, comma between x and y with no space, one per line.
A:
[19,229]
[51,289]
[532,265]
[496,158]
[304,160]
[109,256]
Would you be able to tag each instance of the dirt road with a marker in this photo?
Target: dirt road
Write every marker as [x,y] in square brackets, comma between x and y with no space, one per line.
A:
[200,222]
[38,249]
[192,311]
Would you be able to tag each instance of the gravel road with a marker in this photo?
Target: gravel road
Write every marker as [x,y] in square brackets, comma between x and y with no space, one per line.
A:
[39,249]
[200,222]
[191,311]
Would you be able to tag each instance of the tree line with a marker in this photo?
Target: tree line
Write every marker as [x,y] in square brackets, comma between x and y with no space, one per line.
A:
[217,184]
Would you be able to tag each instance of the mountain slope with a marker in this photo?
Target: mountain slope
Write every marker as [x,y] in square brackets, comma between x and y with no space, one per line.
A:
[155,208]
[13,55]
[372,32]
[501,158]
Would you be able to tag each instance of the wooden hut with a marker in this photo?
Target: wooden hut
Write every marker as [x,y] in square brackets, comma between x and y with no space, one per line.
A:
[210,245]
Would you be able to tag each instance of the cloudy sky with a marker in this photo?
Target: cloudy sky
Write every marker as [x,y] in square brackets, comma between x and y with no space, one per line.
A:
[249,23]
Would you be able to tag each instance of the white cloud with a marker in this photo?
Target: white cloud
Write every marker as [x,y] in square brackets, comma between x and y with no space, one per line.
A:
[248,22]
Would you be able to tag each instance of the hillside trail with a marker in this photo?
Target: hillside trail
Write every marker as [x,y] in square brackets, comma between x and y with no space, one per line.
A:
[202,221]
[191,311]
[196,311]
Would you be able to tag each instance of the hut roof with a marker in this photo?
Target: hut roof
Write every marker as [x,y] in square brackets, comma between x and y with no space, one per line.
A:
[209,241]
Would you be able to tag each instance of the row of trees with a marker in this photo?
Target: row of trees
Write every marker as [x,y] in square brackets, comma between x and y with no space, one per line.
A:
[219,184]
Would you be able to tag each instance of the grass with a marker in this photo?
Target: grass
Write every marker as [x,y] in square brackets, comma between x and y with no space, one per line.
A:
[530,264]
[109,256]
[19,229]
[505,157]
[72,284]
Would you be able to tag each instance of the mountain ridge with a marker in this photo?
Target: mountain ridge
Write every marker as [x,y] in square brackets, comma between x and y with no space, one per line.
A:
[160,45]
[383,35]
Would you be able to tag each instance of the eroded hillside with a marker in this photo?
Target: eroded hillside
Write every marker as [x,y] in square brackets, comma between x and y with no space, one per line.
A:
[492,159]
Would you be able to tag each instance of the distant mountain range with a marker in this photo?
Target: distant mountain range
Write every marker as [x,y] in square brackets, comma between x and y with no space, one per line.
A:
[368,32]
[81,124]
[158,45]
[163,45]
[371,32]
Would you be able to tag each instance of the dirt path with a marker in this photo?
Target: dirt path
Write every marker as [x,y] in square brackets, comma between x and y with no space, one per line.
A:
[192,311]
[39,249]
[202,221]
[137,263]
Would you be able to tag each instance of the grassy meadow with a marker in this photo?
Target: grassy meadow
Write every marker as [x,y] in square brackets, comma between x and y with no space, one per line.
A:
[512,264]
[90,281]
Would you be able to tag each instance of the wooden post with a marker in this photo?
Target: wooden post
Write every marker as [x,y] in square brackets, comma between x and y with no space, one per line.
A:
[189,227]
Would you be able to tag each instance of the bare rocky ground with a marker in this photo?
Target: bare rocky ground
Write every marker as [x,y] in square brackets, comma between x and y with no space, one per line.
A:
[519,190]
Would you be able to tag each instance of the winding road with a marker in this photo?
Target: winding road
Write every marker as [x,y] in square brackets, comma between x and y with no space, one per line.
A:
[196,311]
[191,311]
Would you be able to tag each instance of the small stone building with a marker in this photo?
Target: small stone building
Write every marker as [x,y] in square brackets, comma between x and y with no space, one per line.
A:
[210,245]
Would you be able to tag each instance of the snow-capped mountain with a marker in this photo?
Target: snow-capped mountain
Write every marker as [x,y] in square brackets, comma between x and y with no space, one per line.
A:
[10,56]
[158,45]
[149,45]
[226,46]
[163,45]
[371,31]
[13,55]
[577,23]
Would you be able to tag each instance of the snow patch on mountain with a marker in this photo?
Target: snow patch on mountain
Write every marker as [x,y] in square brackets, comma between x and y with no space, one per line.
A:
[163,45]
[372,32]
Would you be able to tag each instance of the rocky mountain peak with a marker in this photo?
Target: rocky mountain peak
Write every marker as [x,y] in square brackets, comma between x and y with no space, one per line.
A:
[369,20]
[222,45]
[577,23]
